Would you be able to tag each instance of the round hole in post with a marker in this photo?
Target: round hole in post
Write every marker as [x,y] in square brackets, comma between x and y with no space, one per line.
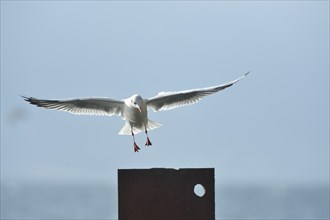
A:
[199,190]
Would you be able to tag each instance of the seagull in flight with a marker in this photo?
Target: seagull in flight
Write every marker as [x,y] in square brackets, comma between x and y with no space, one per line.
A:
[134,110]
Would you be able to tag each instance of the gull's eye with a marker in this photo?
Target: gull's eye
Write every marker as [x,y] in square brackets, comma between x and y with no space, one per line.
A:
[134,103]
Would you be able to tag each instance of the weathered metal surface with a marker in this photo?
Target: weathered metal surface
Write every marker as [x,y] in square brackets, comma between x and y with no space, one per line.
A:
[165,194]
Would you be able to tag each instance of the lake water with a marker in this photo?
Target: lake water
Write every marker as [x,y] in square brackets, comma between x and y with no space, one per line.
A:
[99,201]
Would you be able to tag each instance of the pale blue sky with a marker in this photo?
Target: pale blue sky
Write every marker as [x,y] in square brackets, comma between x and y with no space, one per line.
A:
[271,127]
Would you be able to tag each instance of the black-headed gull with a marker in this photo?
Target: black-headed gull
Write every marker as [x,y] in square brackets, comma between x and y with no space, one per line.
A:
[134,109]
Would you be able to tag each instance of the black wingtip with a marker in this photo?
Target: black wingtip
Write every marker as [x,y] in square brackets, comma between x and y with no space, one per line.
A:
[28,99]
[246,73]
[25,98]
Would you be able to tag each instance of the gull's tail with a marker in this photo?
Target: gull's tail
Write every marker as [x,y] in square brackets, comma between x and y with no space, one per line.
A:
[126,130]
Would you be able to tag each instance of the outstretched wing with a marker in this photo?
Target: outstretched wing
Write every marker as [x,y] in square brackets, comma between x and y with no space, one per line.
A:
[170,100]
[84,106]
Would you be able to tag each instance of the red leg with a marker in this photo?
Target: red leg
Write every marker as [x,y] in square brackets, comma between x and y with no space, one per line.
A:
[148,143]
[136,147]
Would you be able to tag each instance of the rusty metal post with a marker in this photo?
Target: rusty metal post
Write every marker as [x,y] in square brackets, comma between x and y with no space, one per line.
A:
[165,194]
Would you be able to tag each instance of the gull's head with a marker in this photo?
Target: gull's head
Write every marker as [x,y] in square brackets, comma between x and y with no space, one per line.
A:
[136,102]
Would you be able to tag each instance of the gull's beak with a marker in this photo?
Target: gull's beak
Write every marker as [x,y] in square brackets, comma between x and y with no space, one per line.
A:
[139,108]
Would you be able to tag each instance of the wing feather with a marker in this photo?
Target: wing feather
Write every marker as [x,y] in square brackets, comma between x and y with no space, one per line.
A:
[84,106]
[169,100]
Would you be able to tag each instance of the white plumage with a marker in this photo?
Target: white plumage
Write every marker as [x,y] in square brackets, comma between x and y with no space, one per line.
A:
[133,110]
